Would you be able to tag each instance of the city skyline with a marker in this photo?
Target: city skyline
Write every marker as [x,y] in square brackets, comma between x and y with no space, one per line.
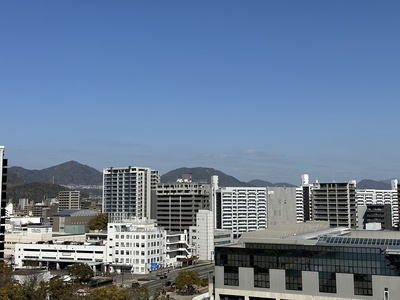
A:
[263,90]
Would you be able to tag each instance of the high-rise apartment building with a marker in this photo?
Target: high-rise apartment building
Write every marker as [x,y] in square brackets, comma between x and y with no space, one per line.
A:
[335,202]
[179,202]
[3,186]
[69,200]
[241,209]
[127,192]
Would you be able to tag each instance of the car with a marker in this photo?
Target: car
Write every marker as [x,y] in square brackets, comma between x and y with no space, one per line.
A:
[135,284]
[163,276]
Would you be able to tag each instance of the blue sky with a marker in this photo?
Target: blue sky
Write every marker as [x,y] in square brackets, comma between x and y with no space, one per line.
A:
[256,89]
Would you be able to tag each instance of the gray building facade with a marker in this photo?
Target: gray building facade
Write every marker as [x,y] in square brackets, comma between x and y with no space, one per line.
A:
[300,263]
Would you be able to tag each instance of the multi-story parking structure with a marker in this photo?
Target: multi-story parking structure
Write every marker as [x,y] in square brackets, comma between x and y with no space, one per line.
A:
[58,255]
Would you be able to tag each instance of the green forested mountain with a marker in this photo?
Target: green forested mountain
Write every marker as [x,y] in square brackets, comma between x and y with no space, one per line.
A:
[34,191]
[68,173]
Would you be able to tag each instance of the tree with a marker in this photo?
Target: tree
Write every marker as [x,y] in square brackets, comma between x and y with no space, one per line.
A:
[59,290]
[98,222]
[140,292]
[81,271]
[108,292]
[5,273]
[12,291]
[188,280]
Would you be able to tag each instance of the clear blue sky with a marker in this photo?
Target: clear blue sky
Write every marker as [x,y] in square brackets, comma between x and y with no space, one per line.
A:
[256,89]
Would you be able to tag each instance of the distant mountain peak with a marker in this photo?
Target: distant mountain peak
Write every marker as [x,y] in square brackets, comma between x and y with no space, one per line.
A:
[68,173]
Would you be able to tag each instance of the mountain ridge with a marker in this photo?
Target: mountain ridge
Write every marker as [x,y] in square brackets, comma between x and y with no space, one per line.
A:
[75,173]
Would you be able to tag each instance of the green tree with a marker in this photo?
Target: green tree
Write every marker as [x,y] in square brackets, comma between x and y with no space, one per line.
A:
[98,222]
[59,290]
[140,292]
[108,292]
[5,273]
[12,291]
[83,272]
[188,279]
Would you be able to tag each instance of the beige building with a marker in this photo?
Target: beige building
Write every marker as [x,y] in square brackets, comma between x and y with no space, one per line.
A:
[69,200]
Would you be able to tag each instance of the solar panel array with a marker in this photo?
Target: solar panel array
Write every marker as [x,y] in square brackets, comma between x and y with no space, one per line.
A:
[340,240]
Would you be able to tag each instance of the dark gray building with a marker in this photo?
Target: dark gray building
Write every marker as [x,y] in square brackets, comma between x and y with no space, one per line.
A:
[335,202]
[178,203]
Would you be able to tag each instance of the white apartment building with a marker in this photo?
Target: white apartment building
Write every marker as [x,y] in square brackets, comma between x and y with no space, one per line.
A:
[241,209]
[299,205]
[204,237]
[127,192]
[370,197]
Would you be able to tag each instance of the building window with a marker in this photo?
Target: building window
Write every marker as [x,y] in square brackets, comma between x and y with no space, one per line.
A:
[230,297]
[327,282]
[362,284]
[293,280]
[231,276]
[261,277]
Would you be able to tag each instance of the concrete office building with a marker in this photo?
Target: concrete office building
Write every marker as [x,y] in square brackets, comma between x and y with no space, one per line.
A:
[69,200]
[180,201]
[282,205]
[374,217]
[127,192]
[335,202]
[309,261]
[3,199]
[139,246]
[366,197]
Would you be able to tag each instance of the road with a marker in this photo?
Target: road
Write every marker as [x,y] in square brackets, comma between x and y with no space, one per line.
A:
[154,282]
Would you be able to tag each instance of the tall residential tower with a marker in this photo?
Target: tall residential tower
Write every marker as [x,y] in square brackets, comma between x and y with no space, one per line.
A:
[3,185]
[127,192]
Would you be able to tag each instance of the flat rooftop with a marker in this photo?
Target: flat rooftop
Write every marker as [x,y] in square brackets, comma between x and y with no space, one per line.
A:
[314,232]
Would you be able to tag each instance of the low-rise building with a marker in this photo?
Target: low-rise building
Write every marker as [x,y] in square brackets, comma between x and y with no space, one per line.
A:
[58,255]
[73,221]
[309,261]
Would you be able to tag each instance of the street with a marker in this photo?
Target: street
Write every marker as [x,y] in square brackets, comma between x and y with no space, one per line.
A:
[154,282]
